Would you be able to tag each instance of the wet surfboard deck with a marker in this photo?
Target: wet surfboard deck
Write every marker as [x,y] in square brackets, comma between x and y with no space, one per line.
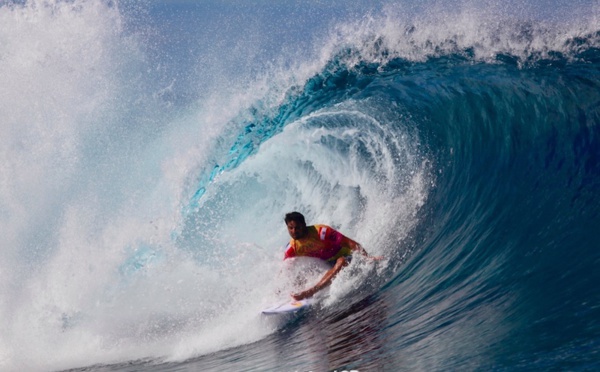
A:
[289,307]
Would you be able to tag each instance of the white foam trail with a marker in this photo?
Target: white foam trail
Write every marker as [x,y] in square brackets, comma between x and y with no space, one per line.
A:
[95,171]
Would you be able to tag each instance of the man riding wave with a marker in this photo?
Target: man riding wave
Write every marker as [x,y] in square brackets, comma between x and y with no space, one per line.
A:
[319,241]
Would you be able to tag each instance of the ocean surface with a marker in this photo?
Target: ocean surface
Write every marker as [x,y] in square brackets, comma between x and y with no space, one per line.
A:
[149,151]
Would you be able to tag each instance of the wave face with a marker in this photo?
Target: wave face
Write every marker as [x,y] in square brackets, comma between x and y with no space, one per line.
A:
[149,155]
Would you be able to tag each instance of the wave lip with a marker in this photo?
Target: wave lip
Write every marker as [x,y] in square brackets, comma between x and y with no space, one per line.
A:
[472,35]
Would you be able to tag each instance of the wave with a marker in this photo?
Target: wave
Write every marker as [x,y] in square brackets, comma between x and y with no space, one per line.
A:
[460,145]
[470,171]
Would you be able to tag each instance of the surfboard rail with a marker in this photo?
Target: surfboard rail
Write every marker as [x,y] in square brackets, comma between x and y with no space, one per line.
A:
[288,306]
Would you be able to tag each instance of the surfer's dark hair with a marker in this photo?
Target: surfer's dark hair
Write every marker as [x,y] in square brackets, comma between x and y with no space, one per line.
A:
[296,217]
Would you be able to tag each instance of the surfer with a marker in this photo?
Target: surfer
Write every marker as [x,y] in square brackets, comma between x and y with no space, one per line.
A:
[319,241]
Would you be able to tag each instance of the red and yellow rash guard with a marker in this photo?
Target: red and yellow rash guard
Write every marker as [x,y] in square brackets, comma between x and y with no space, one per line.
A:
[322,242]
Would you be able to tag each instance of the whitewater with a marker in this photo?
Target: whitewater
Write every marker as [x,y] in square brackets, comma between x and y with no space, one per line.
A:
[149,152]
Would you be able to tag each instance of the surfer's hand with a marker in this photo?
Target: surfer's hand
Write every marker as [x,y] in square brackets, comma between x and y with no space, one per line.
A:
[302,295]
[299,296]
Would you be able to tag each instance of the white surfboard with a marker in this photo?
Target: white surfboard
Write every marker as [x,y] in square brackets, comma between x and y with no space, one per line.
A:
[289,307]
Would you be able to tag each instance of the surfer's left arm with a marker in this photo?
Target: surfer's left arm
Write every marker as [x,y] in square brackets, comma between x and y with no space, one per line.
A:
[356,247]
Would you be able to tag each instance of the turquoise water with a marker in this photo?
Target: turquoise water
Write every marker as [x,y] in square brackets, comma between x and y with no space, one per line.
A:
[150,151]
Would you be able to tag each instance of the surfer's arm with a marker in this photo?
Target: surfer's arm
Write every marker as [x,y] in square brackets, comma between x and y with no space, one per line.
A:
[290,252]
[340,263]
[356,247]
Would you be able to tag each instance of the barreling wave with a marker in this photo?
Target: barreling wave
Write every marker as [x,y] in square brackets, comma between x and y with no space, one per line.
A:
[461,146]
[385,46]
[486,172]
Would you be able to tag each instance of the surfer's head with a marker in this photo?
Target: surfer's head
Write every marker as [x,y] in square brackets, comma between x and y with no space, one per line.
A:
[296,225]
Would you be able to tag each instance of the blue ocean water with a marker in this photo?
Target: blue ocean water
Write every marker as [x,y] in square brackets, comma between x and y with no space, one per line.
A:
[150,150]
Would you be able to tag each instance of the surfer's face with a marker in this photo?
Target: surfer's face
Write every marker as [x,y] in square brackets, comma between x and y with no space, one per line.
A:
[296,230]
